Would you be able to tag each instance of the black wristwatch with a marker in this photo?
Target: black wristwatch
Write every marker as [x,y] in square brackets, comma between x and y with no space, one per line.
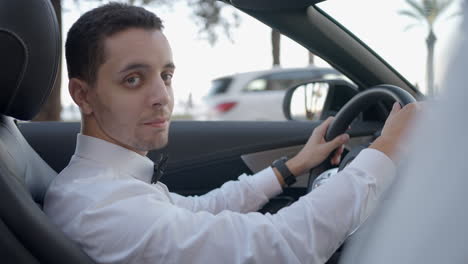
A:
[280,165]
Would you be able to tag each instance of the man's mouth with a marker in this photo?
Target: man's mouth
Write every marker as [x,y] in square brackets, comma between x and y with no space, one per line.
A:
[157,123]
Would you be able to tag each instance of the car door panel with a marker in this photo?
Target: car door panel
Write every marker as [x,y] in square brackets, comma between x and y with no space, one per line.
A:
[259,160]
[202,155]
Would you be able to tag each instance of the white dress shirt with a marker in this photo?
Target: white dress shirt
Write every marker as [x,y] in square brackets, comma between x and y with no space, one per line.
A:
[103,200]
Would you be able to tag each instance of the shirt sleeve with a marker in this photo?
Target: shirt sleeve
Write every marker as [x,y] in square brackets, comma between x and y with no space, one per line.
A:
[308,231]
[247,194]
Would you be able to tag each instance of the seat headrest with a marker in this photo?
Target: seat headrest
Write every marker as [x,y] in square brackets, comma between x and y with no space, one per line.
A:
[30,55]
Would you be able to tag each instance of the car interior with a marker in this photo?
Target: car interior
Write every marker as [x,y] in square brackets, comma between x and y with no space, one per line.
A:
[29,67]
[202,155]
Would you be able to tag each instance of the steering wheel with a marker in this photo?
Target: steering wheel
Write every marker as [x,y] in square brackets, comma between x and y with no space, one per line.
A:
[351,110]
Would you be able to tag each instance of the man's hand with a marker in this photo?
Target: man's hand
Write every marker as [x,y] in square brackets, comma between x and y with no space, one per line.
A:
[317,150]
[395,129]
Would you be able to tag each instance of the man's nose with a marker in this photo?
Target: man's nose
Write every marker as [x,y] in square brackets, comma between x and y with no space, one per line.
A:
[159,93]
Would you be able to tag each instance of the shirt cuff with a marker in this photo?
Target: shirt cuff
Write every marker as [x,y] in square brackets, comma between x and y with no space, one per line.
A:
[266,181]
[376,164]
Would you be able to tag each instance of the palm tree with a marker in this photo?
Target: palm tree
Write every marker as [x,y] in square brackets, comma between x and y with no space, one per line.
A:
[276,49]
[275,46]
[311,58]
[427,11]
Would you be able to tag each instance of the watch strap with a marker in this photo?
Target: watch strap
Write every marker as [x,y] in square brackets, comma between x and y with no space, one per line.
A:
[280,165]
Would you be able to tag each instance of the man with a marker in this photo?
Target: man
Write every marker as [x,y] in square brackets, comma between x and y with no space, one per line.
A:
[120,69]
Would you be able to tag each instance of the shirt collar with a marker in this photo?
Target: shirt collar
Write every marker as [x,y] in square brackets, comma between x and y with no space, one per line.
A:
[114,156]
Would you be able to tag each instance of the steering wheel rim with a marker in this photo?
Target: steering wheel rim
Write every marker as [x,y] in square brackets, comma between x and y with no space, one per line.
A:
[359,103]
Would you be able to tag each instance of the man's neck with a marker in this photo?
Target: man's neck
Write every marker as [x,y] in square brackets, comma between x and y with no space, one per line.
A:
[98,133]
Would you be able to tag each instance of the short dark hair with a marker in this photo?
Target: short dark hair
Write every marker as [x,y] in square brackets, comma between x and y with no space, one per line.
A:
[84,48]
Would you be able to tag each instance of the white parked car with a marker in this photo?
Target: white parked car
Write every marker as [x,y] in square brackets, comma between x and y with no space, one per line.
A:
[238,96]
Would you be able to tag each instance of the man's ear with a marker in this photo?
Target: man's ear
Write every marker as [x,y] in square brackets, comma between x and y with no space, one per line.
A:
[79,91]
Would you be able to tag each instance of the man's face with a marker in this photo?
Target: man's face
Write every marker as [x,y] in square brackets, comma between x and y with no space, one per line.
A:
[132,99]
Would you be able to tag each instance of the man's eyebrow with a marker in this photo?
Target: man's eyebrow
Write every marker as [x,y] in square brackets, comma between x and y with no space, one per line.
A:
[170,65]
[134,66]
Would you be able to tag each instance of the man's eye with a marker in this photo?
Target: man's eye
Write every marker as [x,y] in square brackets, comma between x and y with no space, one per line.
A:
[133,81]
[166,77]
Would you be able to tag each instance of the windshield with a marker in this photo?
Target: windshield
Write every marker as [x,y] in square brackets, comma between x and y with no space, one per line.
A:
[400,32]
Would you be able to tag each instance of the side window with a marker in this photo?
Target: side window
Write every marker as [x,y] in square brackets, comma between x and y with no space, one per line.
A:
[247,47]
[257,85]
[209,84]
[283,84]
[278,82]
[220,86]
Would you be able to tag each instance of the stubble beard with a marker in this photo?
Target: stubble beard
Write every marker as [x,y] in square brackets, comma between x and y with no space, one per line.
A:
[159,141]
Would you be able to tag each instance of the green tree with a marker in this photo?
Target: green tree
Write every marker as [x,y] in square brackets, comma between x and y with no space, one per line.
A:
[427,12]
[207,14]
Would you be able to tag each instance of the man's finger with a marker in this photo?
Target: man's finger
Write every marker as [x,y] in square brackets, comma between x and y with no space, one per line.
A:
[322,128]
[337,156]
[395,108]
[337,142]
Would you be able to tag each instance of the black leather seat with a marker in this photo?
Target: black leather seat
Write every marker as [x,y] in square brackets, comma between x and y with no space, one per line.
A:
[29,56]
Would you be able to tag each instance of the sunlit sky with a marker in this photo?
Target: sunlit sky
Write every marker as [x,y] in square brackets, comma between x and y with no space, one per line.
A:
[198,62]
[385,31]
